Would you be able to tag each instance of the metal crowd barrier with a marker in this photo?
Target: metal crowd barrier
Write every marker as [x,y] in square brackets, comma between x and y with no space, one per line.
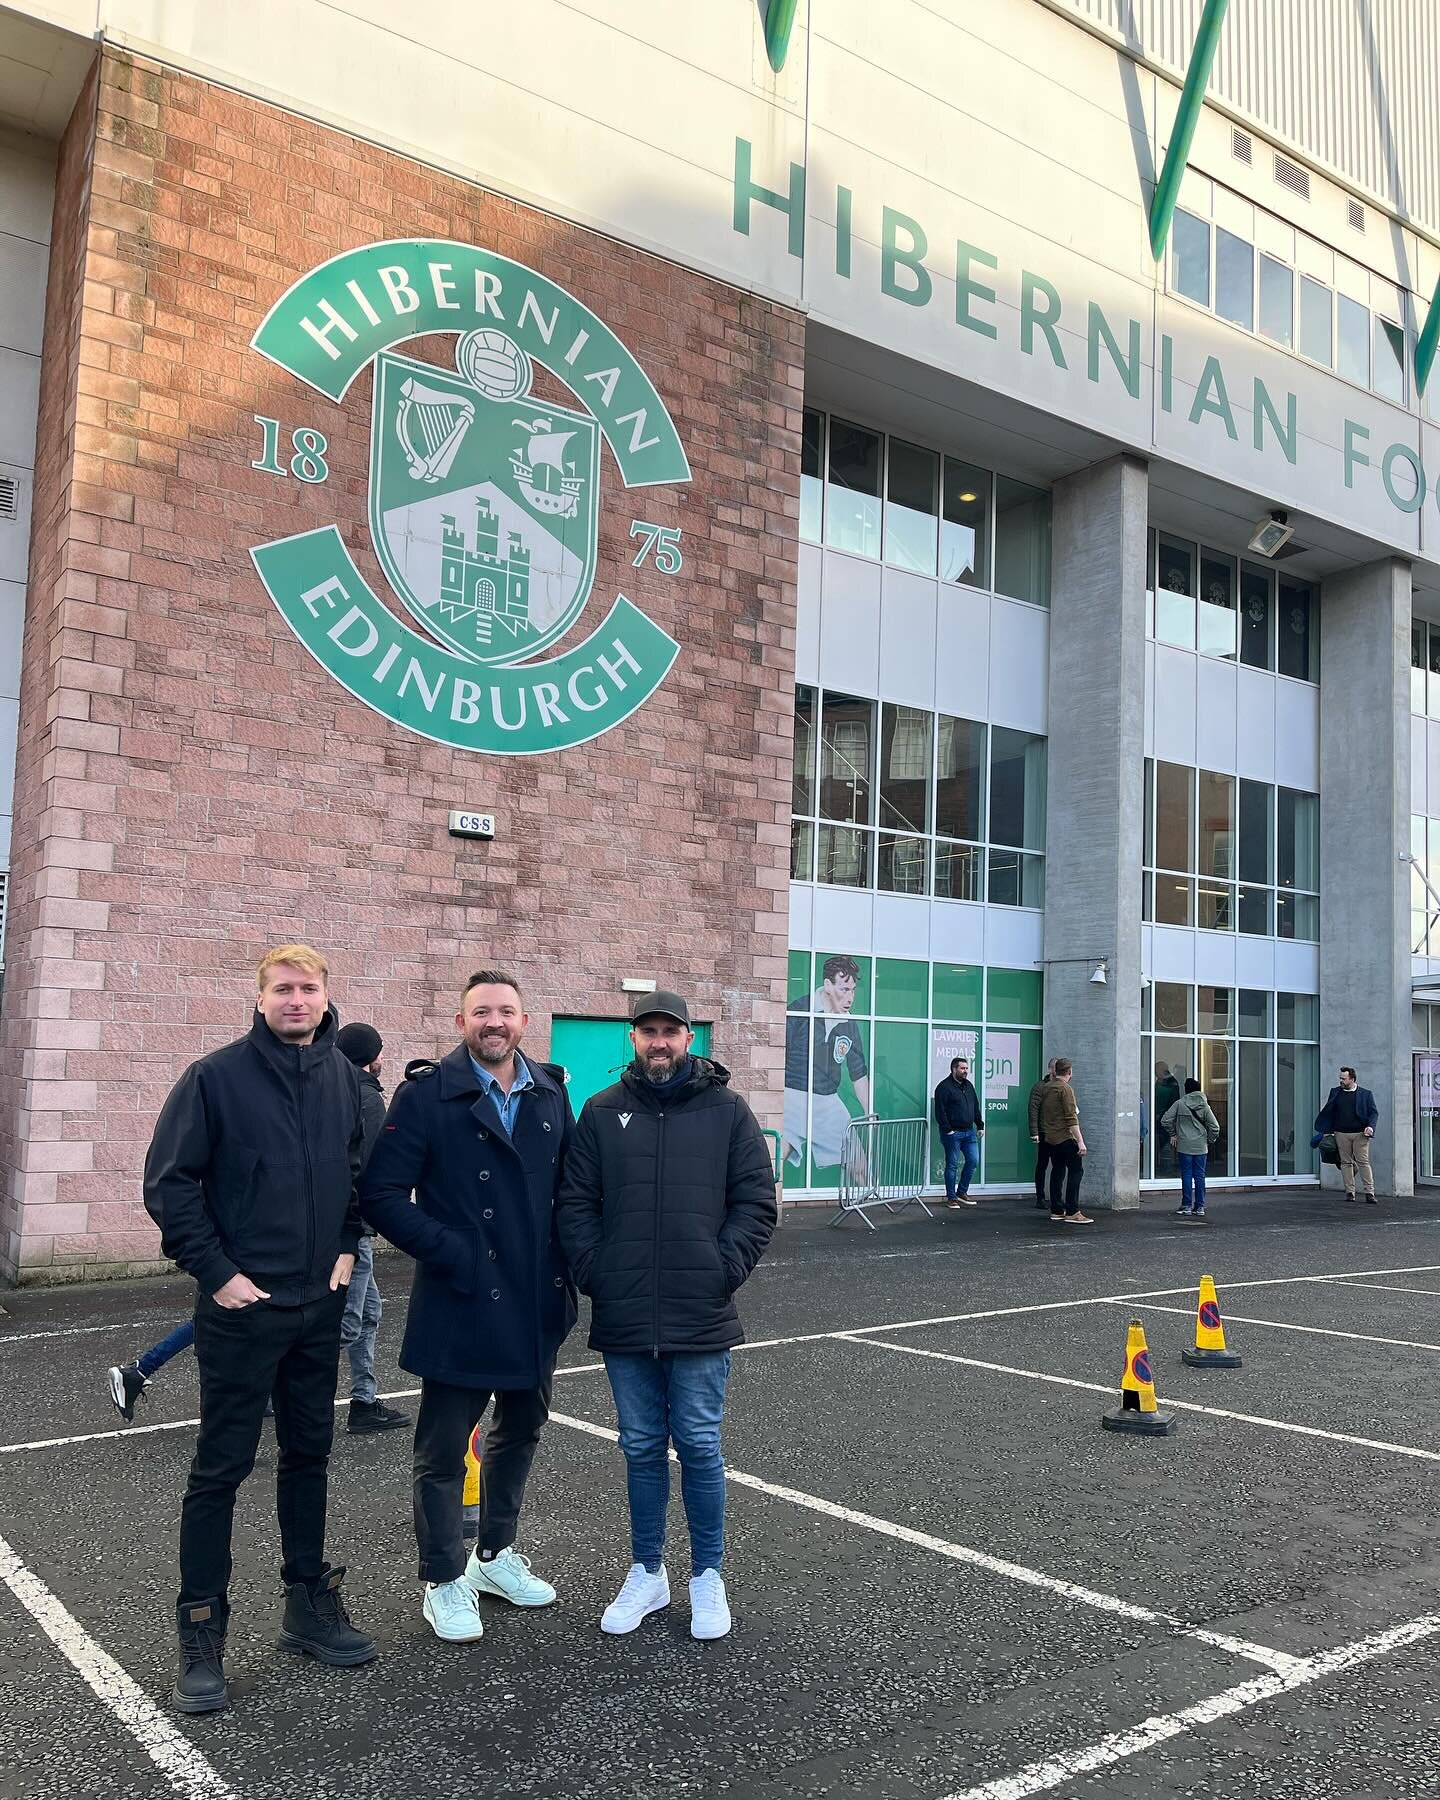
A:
[779,1168]
[883,1162]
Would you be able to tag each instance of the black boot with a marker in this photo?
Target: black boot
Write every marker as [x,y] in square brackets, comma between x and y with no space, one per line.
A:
[374,1415]
[200,1685]
[317,1624]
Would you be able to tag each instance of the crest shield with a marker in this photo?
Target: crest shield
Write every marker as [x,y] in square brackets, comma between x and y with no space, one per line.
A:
[484,511]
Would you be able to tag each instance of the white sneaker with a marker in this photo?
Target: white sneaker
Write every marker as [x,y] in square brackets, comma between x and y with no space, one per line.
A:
[507,1576]
[709,1609]
[451,1608]
[641,1594]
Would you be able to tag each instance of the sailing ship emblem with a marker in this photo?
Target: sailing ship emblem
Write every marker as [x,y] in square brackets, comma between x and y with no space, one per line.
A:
[541,470]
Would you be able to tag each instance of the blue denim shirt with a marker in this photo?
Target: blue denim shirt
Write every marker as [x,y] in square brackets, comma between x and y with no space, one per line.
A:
[507,1105]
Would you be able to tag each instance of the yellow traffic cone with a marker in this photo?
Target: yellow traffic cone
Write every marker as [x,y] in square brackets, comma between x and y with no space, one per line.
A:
[1137,1411]
[471,1526]
[1209,1351]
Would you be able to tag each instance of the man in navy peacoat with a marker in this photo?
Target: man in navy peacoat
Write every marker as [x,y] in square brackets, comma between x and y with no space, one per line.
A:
[480,1138]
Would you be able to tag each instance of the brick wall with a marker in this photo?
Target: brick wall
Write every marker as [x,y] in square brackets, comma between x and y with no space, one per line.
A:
[191,786]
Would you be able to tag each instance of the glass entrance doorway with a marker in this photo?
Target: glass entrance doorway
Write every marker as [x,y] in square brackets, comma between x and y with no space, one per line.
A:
[1427,1117]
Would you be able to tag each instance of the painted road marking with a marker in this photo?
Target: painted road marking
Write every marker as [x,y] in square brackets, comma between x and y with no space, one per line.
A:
[1038,1777]
[1279,1660]
[1384,1287]
[1358,1337]
[187,1771]
[34,1337]
[1098,1387]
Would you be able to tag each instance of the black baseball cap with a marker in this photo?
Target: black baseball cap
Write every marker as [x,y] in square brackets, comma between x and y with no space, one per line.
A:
[663,1004]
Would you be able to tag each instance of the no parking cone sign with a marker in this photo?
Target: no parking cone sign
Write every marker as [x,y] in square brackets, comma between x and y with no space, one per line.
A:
[1138,1411]
[1209,1351]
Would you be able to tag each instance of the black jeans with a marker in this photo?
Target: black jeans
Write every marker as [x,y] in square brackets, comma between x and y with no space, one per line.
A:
[1043,1154]
[245,1356]
[447,1417]
[1066,1167]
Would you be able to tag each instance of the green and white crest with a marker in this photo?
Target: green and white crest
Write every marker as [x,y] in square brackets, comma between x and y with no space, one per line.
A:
[484,498]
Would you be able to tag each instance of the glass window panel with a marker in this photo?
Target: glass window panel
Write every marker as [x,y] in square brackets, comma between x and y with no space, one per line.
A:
[802,850]
[1215,906]
[1297,1100]
[1420,1027]
[907,737]
[797,979]
[1216,633]
[960,788]
[1147,1143]
[902,987]
[902,864]
[1298,629]
[1173,1003]
[1317,321]
[1022,541]
[1297,916]
[1175,593]
[911,494]
[1352,340]
[852,513]
[1256,611]
[1433,693]
[1234,279]
[1277,301]
[959,871]
[1254,917]
[901,1072]
[1016,880]
[1254,1101]
[1254,1013]
[848,978]
[1147,897]
[1298,1016]
[844,856]
[1215,1011]
[1217,826]
[1147,1007]
[1174,816]
[1009,1155]
[1017,788]
[812,475]
[1216,1076]
[956,990]
[1147,827]
[1418,652]
[802,791]
[1256,863]
[1174,1061]
[1190,256]
[1174,900]
[965,526]
[847,739]
[1014,997]
[1297,839]
[1389,361]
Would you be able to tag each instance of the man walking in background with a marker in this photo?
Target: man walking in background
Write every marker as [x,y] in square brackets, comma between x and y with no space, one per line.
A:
[962,1125]
[1194,1128]
[1351,1113]
[364,1307]
[1042,1149]
[667,1205]
[1060,1129]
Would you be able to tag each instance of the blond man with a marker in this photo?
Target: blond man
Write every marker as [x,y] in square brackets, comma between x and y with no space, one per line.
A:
[251,1178]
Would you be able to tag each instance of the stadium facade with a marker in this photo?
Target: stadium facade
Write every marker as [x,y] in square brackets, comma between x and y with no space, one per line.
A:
[792,507]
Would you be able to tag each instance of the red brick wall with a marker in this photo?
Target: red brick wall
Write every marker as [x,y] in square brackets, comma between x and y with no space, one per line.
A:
[191,786]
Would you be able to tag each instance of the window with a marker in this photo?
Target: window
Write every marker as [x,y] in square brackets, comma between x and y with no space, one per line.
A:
[910,507]
[1419,655]
[802,788]
[1216,619]
[1257,633]
[906,754]
[1389,361]
[1234,279]
[853,512]
[1215,862]
[1022,541]
[1317,327]
[965,529]
[1352,357]
[1256,858]
[812,483]
[1190,257]
[1297,865]
[1205,600]
[960,779]
[1175,592]
[1298,629]
[847,729]
[1277,301]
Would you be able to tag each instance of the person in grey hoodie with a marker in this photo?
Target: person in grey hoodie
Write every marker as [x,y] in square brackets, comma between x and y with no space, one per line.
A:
[1194,1128]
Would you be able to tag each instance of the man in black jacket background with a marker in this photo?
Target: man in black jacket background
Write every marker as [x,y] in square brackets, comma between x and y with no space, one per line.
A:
[251,1178]
[667,1204]
[961,1119]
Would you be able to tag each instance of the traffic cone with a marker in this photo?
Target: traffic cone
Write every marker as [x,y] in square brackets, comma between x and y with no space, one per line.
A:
[471,1526]
[1137,1411]
[1209,1351]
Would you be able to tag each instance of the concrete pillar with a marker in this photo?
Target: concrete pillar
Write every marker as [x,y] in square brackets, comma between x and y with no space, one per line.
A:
[1096,802]
[1364,829]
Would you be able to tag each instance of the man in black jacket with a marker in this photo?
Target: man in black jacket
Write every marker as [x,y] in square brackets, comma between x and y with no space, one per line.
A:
[1351,1113]
[962,1125]
[251,1178]
[364,1307]
[480,1138]
[667,1204]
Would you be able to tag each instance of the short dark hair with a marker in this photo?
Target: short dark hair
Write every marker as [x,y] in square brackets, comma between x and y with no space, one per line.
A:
[1062,1065]
[1192,1086]
[839,965]
[955,1061]
[1345,1069]
[489,978]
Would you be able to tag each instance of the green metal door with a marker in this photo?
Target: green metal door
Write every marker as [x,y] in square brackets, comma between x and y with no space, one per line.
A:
[594,1051]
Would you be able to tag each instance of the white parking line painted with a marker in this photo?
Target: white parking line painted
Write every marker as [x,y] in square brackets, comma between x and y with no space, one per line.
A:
[1097,1387]
[187,1771]
[34,1337]
[1358,1337]
[1383,1287]
[1056,1771]
[1279,1660]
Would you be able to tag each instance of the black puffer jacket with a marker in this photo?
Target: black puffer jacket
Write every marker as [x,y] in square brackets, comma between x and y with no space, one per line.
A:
[667,1204]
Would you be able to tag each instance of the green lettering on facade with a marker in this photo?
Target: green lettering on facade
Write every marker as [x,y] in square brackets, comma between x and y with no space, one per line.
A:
[1034,288]
[911,256]
[1211,396]
[748,190]
[844,201]
[1097,331]
[1265,409]
[967,290]
[1403,453]
[1354,455]
[1167,372]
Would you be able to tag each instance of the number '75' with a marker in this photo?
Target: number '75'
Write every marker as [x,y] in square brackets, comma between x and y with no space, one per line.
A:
[664,540]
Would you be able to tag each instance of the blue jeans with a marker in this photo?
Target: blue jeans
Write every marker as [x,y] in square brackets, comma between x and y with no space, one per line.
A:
[1192,1175]
[681,1400]
[958,1144]
[156,1357]
[360,1321]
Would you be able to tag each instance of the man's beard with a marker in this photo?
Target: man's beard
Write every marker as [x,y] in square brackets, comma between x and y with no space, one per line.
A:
[487,1053]
[658,1070]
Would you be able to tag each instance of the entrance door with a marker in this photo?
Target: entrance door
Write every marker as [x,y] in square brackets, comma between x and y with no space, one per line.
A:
[1427,1118]
[594,1051]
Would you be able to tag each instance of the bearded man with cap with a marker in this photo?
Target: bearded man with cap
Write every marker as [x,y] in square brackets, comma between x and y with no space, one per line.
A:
[666,1205]
[361,1044]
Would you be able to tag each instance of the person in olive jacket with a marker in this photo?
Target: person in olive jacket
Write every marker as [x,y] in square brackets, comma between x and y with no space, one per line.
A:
[667,1204]
[251,1176]
[480,1137]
